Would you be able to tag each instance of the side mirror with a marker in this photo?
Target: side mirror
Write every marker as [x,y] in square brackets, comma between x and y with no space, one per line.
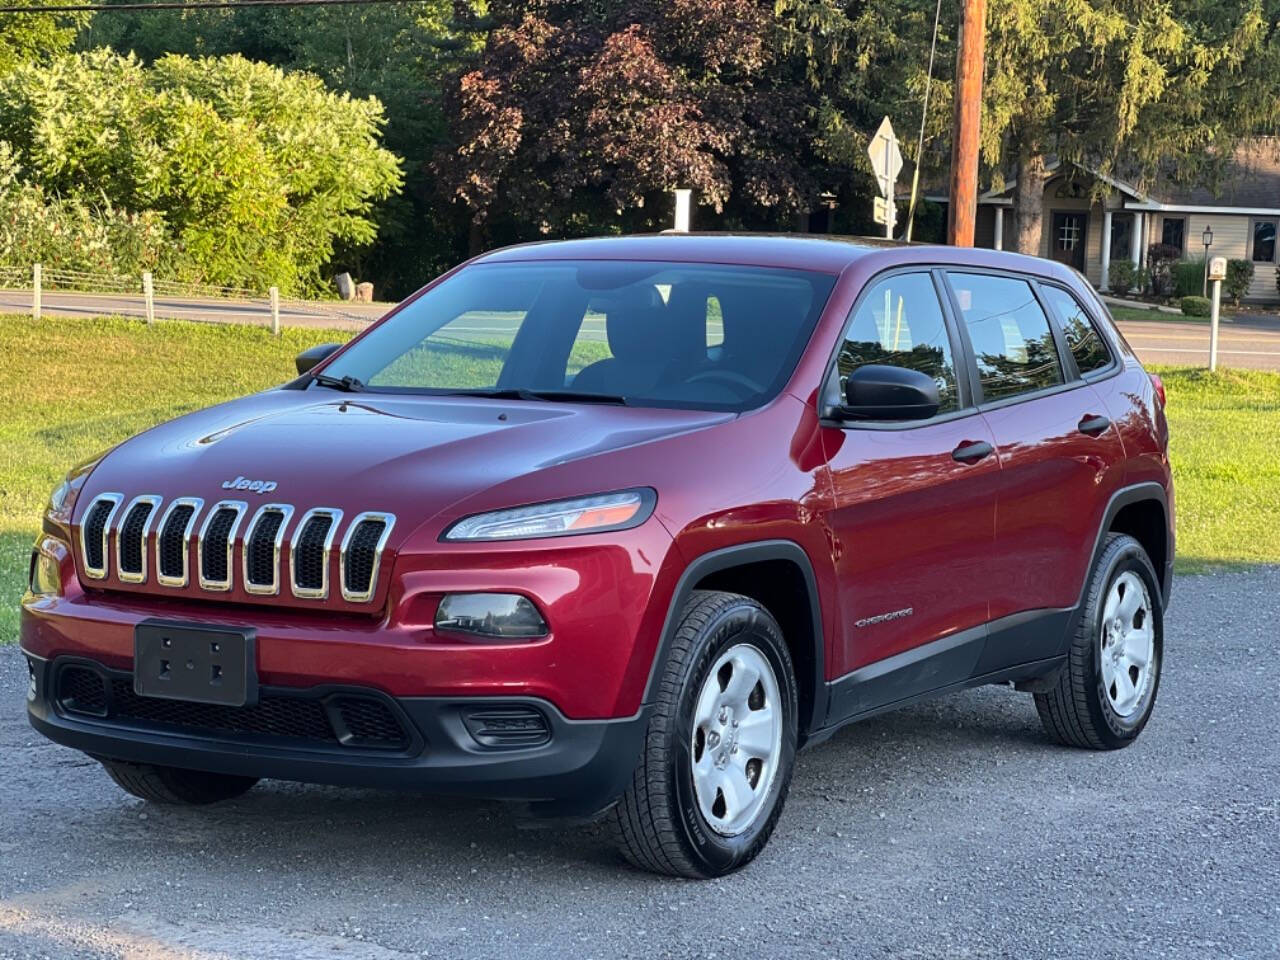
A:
[309,358]
[880,392]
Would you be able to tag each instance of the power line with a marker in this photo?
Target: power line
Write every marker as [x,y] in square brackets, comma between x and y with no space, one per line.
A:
[193,5]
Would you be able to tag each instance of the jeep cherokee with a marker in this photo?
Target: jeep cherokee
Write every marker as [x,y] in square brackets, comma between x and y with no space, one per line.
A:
[619,525]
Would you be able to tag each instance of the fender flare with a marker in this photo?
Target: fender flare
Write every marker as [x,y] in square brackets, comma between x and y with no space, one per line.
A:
[739,555]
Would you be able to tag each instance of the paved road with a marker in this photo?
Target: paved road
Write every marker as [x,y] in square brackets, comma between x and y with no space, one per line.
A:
[1241,343]
[328,314]
[947,830]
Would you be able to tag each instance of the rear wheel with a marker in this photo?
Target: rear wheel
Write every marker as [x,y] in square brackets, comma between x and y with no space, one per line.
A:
[173,785]
[1107,689]
[720,748]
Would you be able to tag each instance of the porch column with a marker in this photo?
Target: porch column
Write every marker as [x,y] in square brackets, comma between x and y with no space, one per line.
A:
[999,227]
[1106,247]
[1139,222]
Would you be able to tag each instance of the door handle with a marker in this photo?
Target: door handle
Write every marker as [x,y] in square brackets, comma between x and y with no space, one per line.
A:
[971,451]
[1093,425]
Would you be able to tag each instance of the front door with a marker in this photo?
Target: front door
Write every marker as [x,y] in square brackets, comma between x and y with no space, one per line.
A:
[1066,245]
[912,512]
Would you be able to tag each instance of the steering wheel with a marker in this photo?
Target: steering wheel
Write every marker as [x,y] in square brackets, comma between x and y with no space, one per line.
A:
[731,377]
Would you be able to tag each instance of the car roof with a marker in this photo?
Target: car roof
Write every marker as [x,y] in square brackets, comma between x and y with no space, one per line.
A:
[823,253]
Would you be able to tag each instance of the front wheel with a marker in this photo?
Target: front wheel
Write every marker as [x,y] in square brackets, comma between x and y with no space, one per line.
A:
[1106,691]
[720,747]
[173,785]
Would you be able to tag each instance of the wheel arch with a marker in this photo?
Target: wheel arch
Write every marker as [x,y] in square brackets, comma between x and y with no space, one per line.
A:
[1142,512]
[779,575]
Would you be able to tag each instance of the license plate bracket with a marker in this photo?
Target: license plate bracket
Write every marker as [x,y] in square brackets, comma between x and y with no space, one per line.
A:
[185,661]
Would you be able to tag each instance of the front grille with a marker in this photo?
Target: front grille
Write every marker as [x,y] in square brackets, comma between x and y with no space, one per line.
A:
[82,690]
[310,553]
[216,545]
[345,719]
[225,526]
[131,540]
[360,554]
[93,534]
[172,542]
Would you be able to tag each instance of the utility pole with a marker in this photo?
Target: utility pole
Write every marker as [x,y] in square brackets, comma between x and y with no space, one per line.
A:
[962,211]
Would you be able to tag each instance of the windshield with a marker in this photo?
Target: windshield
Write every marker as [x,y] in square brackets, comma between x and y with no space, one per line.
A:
[649,334]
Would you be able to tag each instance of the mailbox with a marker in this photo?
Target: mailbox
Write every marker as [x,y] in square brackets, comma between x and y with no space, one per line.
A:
[1218,268]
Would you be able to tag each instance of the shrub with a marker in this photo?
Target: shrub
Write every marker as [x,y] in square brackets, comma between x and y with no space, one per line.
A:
[1188,278]
[1160,260]
[1196,306]
[1239,276]
[1141,279]
[257,173]
[1120,276]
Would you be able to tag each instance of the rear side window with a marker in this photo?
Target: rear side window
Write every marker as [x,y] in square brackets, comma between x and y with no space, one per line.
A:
[1083,339]
[1012,342]
[900,324]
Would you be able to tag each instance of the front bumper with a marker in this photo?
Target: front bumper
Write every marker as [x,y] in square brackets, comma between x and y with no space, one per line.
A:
[579,768]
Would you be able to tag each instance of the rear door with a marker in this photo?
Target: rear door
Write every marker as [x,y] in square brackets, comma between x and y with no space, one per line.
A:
[1060,455]
[912,518]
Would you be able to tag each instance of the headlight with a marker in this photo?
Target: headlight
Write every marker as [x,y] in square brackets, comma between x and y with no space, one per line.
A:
[560,518]
[499,616]
[45,577]
[63,499]
[61,503]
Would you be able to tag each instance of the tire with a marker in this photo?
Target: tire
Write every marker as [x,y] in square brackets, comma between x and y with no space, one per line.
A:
[1089,706]
[173,785]
[660,823]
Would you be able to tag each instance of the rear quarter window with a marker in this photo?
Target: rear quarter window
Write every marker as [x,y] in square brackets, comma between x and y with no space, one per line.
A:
[1085,342]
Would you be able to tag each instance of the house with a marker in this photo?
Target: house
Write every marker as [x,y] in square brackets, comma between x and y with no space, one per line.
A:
[1243,214]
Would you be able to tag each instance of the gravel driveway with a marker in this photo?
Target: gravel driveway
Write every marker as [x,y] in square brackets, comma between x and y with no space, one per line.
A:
[952,829]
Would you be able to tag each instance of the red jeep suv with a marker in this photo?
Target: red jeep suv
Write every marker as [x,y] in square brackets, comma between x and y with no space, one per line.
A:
[620,525]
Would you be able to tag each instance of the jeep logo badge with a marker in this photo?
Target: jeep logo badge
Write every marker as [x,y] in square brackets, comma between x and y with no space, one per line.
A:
[253,486]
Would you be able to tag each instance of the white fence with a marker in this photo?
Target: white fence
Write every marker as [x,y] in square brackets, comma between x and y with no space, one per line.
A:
[146,296]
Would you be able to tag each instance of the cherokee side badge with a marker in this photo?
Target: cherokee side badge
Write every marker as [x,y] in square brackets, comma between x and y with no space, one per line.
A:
[253,486]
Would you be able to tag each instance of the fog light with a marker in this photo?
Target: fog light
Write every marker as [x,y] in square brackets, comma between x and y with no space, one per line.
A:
[31,682]
[495,616]
[45,579]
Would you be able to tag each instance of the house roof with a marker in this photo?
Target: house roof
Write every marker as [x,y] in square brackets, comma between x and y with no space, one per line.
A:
[1251,184]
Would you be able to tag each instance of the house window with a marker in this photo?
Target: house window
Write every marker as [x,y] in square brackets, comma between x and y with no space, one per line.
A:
[1121,238]
[1068,234]
[1264,241]
[1175,232]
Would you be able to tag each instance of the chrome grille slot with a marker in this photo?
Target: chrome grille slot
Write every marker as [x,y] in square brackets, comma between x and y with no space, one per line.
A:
[94,528]
[361,554]
[131,539]
[215,547]
[309,552]
[261,549]
[173,540]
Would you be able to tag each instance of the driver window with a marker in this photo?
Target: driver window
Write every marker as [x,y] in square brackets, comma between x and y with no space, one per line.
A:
[900,324]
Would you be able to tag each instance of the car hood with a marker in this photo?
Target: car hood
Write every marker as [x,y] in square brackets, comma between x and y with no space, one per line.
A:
[408,455]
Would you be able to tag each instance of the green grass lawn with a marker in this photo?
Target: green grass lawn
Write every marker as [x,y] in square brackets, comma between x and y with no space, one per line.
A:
[72,388]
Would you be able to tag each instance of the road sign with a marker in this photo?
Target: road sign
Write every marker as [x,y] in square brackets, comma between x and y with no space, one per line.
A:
[886,157]
[1218,268]
[883,211]
[886,163]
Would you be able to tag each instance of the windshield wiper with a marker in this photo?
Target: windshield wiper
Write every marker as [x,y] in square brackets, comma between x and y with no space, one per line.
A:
[345,384]
[520,393]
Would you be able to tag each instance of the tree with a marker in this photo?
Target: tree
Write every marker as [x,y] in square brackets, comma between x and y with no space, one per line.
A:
[29,37]
[580,115]
[256,173]
[1139,89]
[399,53]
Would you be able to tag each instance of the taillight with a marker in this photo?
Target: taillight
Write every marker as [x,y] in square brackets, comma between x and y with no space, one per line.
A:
[1159,385]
